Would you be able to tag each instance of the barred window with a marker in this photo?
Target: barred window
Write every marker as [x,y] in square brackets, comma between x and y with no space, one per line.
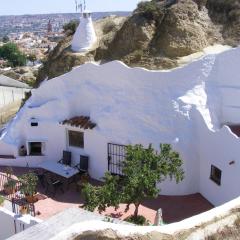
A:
[216,175]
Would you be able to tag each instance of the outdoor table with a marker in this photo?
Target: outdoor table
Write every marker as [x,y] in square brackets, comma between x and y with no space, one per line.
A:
[59,169]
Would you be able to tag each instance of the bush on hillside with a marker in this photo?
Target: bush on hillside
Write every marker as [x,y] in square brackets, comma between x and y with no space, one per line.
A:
[71,27]
[229,8]
[150,10]
[139,220]
[5,39]
[13,55]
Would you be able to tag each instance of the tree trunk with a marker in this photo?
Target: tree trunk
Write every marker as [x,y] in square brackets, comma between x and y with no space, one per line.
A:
[136,209]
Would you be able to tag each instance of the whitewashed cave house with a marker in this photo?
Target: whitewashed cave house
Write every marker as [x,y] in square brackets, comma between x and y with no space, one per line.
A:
[95,109]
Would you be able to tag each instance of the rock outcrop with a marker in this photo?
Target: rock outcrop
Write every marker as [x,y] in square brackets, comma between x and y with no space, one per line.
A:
[227,14]
[157,34]
[185,30]
[23,74]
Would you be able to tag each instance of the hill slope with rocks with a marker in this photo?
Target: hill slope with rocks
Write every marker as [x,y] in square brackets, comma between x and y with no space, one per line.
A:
[155,36]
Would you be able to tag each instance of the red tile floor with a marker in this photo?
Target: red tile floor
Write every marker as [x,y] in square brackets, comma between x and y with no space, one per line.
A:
[174,208]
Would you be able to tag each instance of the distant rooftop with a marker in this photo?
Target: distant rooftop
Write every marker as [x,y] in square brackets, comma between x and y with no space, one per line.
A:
[9,82]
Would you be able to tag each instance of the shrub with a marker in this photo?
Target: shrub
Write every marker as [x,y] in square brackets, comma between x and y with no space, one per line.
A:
[10,184]
[13,55]
[29,184]
[108,27]
[71,27]
[139,220]
[150,10]
[5,39]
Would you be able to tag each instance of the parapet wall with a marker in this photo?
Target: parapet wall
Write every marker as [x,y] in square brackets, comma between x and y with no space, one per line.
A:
[198,227]
[11,224]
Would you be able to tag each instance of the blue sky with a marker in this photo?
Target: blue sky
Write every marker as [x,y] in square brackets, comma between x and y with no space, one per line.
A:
[16,7]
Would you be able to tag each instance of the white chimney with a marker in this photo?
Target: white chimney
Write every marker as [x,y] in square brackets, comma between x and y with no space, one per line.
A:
[85,36]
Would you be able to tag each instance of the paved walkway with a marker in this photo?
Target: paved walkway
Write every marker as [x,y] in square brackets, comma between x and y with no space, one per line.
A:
[174,208]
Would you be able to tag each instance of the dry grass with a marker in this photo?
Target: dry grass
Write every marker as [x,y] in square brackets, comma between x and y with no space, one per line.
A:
[8,112]
[226,231]
[230,233]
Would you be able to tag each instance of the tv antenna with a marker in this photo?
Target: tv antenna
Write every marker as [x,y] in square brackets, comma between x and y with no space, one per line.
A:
[76,5]
[79,6]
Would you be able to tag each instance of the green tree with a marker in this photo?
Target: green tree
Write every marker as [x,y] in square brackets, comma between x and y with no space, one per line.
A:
[143,168]
[104,196]
[5,39]
[12,54]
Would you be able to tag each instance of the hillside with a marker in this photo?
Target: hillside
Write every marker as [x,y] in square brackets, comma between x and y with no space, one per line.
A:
[155,36]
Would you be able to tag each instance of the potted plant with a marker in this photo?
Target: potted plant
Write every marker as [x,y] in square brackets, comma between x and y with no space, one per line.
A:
[24,210]
[10,187]
[9,172]
[29,186]
[22,151]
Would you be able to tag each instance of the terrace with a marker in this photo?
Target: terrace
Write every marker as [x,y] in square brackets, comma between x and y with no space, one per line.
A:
[174,208]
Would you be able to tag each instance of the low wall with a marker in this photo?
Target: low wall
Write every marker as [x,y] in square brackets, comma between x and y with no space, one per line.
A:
[222,150]
[10,94]
[11,223]
[197,227]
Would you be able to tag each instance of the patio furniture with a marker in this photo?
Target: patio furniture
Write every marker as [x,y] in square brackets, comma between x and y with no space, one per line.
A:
[52,185]
[66,159]
[83,164]
[59,169]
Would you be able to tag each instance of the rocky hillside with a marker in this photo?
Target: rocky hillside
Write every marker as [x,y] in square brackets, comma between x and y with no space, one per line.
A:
[62,59]
[23,74]
[155,36]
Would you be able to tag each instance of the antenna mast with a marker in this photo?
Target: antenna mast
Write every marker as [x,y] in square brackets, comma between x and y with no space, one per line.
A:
[76,5]
[84,4]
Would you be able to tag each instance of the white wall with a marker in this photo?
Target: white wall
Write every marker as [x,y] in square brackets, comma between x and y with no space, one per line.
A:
[184,107]
[197,227]
[10,94]
[7,225]
[219,149]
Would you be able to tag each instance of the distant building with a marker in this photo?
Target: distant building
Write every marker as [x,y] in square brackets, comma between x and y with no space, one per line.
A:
[11,90]
[49,28]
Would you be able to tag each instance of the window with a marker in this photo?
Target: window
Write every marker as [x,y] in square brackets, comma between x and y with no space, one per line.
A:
[35,149]
[76,139]
[34,122]
[216,175]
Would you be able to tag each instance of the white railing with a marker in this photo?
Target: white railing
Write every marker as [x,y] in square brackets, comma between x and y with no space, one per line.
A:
[12,224]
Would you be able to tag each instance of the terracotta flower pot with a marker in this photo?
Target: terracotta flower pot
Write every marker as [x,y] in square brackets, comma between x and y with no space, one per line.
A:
[23,210]
[31,199]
